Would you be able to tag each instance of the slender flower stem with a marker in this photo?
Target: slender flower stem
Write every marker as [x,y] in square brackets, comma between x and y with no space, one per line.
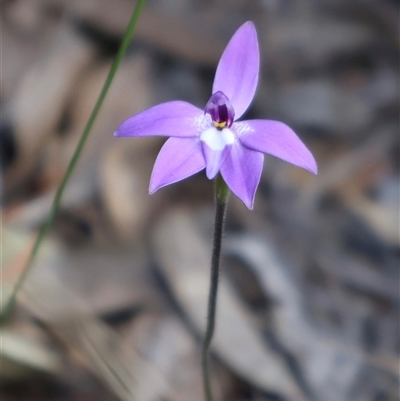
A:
[221,197]
[57,199]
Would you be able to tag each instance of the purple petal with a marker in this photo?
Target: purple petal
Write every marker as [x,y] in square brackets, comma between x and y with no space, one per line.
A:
[178,159]
[241,171]
[167,119]
[279,140]
[237,71]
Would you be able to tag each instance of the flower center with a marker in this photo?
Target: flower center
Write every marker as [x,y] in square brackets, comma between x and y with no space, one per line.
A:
[220,109]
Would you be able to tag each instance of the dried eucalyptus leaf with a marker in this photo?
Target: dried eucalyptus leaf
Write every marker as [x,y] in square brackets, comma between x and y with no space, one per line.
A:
[22,356]
[330,367]
[38,103]
[127,373]
[166,342]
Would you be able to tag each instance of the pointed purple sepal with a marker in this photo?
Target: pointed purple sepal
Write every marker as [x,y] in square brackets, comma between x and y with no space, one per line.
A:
[277,139]
[176,119]
[241,171]
[238,68]
[178,159]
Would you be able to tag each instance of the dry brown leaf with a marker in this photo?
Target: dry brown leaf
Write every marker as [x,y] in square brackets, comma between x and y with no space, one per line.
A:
[128,374]
[155,26]
[38,104]
[22,356]
[166,342]
[331,365]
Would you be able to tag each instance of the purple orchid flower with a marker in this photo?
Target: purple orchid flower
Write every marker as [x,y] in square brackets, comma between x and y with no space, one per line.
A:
[213,139]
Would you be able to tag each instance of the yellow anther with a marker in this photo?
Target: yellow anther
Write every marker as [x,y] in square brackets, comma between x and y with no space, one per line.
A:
[219,125]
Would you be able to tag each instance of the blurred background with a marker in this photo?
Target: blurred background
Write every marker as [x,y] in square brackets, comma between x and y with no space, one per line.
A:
[115,304]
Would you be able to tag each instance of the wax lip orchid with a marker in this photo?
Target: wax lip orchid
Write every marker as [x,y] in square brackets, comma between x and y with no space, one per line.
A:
[212,138]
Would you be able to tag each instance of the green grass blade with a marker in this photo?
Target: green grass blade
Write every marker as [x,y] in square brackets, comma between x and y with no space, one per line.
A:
[75,158]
